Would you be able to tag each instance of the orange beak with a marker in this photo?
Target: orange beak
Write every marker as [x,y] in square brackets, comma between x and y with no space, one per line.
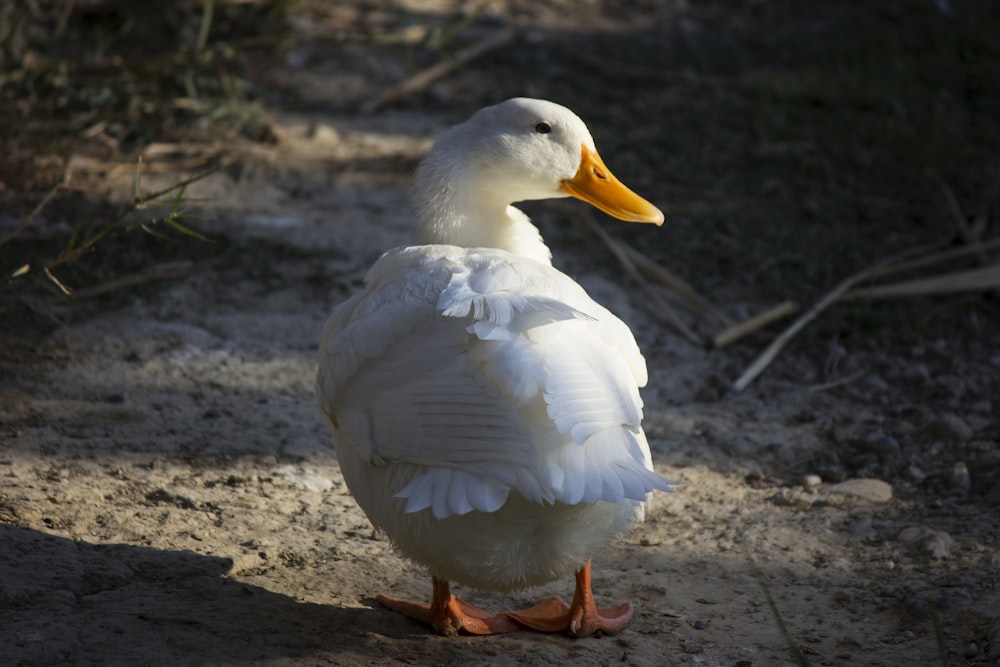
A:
[596,185]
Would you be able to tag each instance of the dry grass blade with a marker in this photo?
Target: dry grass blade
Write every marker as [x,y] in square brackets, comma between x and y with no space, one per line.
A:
[423,79]
[156,272]
[34,212]
[656,272]
[939,257]
[966,233]
[973,280]
[58,283]
[778,344]
[140,202]
[793,648]
[163,157]
[746,327]
[663,309]
[839,382]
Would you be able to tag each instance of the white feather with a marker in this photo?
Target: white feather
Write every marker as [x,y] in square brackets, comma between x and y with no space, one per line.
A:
[478,396]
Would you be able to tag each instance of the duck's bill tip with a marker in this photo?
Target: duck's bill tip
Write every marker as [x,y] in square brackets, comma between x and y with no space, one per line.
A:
[595,184]
[651,214]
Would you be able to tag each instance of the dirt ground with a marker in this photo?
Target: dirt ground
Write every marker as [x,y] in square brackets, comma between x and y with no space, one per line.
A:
[168,495]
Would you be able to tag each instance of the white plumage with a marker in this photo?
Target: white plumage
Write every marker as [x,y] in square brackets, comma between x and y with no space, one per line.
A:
[485,410]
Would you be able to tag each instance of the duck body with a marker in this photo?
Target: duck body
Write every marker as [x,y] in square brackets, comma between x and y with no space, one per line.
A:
[485,410]
[488,414]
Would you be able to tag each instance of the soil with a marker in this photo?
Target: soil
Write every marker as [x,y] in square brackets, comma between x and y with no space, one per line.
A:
[168,494]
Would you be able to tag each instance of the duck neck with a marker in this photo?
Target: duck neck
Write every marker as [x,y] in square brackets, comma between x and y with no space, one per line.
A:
[454,212]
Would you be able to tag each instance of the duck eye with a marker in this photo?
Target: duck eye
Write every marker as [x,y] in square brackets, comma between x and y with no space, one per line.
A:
[543,128]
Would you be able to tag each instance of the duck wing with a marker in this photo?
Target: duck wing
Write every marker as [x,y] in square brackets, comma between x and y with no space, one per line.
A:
[491,373]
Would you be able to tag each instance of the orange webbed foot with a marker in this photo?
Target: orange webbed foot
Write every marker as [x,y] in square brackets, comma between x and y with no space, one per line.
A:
[448,614]
[581,618]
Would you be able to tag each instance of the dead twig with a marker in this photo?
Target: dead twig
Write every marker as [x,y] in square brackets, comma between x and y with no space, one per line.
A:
[973,280]
[981,248]
[663,309]
[138,203]
[421,80]
[156,272]
[778,344]
[34,212]
[681,288]
[748,326]
[966,233]
[839,382]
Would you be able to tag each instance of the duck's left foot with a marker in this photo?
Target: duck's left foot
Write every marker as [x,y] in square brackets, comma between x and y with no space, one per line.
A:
[582,618]
[450,615]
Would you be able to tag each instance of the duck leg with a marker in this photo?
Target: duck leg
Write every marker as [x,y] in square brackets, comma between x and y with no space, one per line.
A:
[448,614]
[581,618]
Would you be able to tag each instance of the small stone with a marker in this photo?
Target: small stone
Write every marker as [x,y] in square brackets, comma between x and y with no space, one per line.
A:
[916,373]
[872,490]
[937,543]
[811,481]
[984,407]
[960,479]
[915,474]
[971,650]
[949,427]
[794,498]
[886,445]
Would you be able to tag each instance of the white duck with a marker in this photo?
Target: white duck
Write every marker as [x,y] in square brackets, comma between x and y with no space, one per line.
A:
[485,410]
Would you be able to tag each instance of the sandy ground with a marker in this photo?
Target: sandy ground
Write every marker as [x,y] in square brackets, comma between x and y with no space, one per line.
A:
[168,495]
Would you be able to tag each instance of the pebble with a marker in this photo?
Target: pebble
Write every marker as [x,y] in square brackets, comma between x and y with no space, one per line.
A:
[936,542]
[872,490]
[960,480]
[915,474]
[810,481]
[885,445]
[984,407]
[795,498]
[922,604]
[916,373]
[949,427]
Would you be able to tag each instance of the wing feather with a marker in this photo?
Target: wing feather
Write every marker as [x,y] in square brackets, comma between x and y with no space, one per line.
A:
[490,373]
